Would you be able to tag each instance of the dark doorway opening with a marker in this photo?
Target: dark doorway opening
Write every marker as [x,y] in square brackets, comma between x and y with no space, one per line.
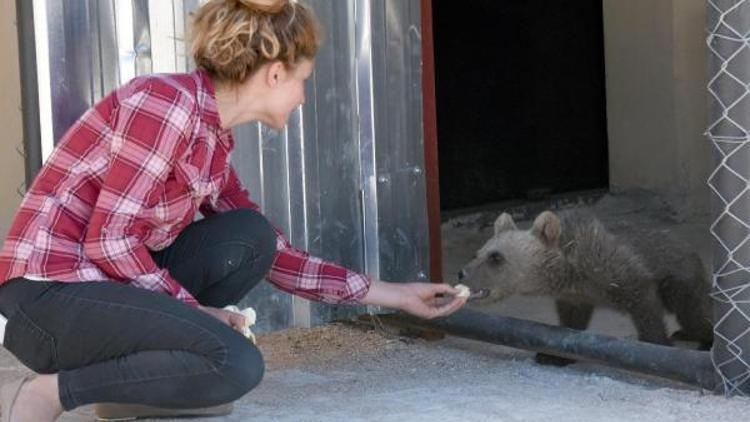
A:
[520,93]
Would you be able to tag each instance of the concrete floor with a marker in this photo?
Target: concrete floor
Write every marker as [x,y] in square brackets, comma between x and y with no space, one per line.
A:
[454,379]
[460,380]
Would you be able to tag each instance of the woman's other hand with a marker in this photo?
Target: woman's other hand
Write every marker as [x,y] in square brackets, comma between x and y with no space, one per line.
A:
[232,319]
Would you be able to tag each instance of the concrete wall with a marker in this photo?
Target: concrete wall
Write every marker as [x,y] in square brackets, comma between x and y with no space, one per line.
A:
[656,98]
[11,162]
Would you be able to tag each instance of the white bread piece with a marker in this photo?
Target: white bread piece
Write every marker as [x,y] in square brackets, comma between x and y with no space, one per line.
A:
[250,318]
[464,290]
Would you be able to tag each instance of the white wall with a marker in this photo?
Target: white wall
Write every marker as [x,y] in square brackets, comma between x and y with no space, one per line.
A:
[11,162]
[655,56]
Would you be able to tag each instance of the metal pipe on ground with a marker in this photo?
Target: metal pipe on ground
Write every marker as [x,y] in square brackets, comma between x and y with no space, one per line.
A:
[684,365]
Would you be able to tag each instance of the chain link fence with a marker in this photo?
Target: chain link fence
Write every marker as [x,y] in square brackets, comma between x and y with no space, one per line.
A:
[729,126]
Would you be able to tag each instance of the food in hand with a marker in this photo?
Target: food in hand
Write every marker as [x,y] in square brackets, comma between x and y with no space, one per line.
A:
[250,318]
[463,290]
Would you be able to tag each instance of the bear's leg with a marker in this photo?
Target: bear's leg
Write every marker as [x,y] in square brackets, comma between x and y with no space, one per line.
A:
[572,315]
[690,303]
[648,318]
[694,326]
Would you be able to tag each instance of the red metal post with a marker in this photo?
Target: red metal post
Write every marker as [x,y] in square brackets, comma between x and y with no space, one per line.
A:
[430,143]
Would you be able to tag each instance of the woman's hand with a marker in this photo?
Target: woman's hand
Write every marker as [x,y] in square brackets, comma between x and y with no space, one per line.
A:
[232,319]
[425,300]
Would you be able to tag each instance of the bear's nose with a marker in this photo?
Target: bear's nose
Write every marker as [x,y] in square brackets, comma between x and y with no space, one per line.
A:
[461,275]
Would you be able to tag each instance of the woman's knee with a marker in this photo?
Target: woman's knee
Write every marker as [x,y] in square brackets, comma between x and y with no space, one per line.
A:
[243,368]
[254,228]
[253,253]
[238,237]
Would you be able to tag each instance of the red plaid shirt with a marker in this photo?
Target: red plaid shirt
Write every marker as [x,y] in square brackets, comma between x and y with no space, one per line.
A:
[127,177]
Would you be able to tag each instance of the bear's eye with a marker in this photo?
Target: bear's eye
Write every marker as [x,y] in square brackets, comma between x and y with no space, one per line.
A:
[496,258]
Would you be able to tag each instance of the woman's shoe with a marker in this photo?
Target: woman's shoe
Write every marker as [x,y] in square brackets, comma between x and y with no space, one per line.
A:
[9,393]
[129,412]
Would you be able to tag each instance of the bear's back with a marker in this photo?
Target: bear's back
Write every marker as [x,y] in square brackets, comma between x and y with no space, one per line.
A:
[598,259]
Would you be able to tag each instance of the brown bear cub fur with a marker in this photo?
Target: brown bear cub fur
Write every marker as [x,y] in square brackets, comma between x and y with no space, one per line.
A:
[573,258]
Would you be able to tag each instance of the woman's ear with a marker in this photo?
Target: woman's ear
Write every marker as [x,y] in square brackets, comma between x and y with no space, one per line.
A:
[275,73]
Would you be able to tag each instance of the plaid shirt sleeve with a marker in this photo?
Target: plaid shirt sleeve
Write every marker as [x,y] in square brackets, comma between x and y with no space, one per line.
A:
[293,270]
[149,130]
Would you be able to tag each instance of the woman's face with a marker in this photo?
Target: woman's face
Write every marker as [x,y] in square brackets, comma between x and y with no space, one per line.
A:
[287,94]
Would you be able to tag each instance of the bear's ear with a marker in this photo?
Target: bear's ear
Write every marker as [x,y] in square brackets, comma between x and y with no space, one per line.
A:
[504,222]
[547,228]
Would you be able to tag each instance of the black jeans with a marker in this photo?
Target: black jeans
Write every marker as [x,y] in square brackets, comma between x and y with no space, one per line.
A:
[110,342]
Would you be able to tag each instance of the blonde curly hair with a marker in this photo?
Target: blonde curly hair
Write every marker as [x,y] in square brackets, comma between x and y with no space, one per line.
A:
[231,39]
